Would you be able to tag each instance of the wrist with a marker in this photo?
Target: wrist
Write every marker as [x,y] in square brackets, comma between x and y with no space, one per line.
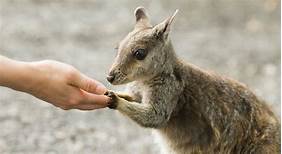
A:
[16,74]
[27,79]
[30,77]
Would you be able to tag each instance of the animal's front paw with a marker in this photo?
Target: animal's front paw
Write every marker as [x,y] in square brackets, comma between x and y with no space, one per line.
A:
[113,99]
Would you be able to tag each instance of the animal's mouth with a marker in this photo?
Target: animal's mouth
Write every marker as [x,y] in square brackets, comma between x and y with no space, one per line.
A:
[118,78]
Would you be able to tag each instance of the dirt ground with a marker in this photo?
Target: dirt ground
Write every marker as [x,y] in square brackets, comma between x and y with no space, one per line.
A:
[240,39]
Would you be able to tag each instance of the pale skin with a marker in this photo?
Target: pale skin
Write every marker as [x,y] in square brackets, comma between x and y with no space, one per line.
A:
[57,83]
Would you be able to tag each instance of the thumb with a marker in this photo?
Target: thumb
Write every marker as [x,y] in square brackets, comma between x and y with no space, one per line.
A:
[89,85]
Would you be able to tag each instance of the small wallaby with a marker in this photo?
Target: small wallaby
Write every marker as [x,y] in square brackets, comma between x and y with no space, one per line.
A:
[193,110]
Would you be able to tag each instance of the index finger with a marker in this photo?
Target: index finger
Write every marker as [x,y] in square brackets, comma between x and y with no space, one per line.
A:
[90,85]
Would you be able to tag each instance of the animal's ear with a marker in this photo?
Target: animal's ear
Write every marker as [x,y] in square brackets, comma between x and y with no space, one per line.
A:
[162,29]
[142,20]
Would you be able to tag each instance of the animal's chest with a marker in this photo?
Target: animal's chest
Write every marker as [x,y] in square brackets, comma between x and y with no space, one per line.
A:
[139,90]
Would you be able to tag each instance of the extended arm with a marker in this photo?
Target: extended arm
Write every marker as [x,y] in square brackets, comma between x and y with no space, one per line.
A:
[57,83]
[15,74]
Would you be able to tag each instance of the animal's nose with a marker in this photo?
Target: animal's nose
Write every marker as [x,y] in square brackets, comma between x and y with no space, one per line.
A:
[110,78]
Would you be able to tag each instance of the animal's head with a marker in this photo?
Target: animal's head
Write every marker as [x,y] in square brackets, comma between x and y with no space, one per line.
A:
[142,53]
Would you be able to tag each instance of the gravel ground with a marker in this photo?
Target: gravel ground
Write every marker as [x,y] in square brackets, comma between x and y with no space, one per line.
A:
[238,38]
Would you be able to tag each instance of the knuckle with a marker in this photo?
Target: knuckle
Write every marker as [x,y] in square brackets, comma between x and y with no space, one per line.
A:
[88,85]
[70,74]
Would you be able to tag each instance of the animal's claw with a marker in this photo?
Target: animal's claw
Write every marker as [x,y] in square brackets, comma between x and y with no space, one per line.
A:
[112,104]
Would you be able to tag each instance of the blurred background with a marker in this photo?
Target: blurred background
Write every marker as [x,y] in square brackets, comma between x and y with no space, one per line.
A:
[240,39]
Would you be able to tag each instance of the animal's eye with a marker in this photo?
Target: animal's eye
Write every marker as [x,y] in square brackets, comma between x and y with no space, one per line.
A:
[140,54]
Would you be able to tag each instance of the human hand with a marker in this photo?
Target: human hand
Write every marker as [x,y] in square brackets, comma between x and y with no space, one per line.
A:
[64,86]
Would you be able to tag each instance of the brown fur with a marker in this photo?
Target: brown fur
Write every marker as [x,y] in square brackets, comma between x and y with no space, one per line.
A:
[194,111]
